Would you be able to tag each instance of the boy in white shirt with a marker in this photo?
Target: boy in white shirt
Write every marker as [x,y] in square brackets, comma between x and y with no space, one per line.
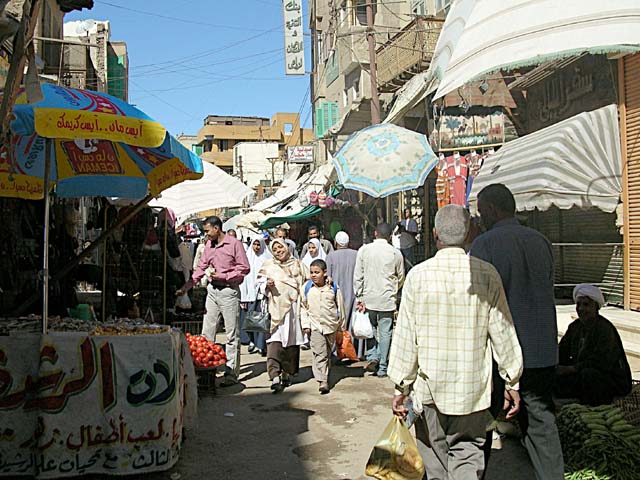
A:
[322,315]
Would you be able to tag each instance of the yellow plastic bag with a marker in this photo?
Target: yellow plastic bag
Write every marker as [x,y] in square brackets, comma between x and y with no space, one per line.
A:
[395,455]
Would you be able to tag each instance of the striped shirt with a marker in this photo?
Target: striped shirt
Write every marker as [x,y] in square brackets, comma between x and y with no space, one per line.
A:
[524,260]
[453,317]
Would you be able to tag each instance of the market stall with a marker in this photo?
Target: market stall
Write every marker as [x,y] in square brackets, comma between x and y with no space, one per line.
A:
[112,400]
[78,396]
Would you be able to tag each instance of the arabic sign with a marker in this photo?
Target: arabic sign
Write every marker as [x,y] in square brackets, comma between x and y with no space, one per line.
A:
[301,154]
[72,404]
[293,37]
[582,86]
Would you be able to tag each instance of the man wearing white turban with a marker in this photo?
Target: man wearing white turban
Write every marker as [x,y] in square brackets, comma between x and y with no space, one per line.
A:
[593,366]
[341,264]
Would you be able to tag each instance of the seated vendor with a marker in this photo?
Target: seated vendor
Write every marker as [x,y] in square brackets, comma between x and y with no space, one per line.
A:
[593,366]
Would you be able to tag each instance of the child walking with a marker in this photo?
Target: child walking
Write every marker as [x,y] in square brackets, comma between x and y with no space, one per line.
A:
[321,315]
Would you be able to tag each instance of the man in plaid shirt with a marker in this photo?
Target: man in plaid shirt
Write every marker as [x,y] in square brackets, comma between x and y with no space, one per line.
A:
[453,319]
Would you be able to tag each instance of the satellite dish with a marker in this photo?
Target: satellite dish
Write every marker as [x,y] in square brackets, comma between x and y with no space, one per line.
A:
[85,26]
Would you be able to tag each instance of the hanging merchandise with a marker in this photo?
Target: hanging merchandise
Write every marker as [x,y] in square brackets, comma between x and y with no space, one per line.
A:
[313,198]
[457,173]
[322,199]
[329,202]
[442,183]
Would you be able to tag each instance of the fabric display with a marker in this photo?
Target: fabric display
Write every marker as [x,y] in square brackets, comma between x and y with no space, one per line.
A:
[457,173]
[442,183]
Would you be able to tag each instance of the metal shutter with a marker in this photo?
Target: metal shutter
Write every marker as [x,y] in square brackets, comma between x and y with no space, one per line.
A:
[630,93]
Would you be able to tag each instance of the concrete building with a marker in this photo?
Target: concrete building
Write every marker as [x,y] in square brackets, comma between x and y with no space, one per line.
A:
[48,29]
[188,141]
[91,60]
[219,134]
[258,163]
[405,35]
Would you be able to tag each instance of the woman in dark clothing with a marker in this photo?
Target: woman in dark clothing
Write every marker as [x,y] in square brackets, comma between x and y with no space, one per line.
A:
[593,366]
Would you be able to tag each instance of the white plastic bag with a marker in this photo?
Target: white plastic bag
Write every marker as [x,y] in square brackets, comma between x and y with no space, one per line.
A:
[361,325]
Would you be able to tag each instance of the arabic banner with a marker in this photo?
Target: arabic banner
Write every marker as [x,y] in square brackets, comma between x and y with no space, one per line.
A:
[71,404]
[293,37]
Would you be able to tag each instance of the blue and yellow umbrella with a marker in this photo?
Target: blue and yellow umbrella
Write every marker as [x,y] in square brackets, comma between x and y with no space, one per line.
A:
[88,144]
[96,145]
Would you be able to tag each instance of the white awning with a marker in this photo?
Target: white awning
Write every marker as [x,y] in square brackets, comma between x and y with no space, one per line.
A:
[216,189]
[576,162]
[315,180]
[499,34]
[289,188]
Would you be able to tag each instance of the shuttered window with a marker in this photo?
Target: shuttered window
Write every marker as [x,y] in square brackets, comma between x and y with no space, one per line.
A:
[632,127]
[326,117]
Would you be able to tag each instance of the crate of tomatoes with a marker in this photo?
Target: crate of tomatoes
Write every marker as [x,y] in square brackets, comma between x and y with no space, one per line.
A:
[205,353]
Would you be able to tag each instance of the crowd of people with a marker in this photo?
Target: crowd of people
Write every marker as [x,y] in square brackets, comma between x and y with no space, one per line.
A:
[475,333]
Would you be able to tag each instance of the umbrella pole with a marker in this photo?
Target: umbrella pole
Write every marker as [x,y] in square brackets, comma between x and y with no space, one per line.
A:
[103,312]
[45,237]
[164,270]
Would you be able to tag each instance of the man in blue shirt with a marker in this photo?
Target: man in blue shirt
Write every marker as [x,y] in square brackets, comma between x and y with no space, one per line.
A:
[524,260]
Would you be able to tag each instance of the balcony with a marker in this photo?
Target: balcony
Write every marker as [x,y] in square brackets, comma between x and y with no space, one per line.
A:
[353,50]
[407,53]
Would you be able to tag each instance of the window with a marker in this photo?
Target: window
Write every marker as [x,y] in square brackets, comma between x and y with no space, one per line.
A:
[360,11]
[223,145]
[288,128]
[442,5]
[320,46]
[326,117]
[345,98]
[356,89]
[418,8]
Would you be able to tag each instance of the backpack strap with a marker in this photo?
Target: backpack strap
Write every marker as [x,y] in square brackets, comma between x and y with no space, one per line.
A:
[307,287]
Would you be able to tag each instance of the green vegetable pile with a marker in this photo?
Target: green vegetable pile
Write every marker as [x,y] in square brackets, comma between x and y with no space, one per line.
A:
[598,443]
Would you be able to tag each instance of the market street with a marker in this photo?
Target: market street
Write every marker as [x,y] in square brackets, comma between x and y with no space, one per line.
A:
[300,434]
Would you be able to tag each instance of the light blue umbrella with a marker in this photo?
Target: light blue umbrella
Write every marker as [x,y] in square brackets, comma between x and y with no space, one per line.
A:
[384,159]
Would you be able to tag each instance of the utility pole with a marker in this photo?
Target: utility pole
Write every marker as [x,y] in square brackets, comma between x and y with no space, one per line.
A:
[371,39]
[240,168]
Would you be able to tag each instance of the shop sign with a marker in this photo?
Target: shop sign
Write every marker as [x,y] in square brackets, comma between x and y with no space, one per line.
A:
[74,404]
[293,37]
[470,131]
[92,157]
[300,154]
[584,85]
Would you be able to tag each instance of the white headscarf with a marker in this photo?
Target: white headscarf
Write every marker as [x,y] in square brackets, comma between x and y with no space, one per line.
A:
[589,291]
[321,255]
[249,286]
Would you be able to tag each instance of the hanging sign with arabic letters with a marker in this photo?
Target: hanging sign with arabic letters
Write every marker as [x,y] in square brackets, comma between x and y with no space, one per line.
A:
[293,37]
[72,404]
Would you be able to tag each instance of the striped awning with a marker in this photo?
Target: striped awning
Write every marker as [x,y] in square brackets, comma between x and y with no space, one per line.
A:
[483,36]
[576,162]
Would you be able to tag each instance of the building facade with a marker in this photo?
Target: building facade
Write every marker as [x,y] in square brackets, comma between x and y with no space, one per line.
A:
[216,140]
[91,60]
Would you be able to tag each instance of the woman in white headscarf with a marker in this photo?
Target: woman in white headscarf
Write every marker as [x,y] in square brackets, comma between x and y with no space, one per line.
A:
[257,254]
[282,279]
[314,252]
[593,366]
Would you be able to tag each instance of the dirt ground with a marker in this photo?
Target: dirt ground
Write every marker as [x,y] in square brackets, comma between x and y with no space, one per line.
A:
[246,432]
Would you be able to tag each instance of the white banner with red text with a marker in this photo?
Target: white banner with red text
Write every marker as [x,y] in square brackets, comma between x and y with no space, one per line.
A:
[72,404]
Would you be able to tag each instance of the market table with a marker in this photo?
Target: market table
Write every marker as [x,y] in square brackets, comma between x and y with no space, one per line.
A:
[73,404]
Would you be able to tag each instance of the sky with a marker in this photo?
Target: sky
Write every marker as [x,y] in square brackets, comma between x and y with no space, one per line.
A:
[193,58]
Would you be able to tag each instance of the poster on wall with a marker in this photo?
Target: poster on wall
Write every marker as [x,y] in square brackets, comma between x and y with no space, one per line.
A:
[293,37]
[72,404]
[469,131]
